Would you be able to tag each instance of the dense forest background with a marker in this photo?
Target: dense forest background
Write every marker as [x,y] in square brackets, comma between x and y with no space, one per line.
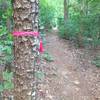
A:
[81,23]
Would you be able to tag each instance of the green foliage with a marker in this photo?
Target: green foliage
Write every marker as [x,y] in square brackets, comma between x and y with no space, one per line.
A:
[7,75]
[96,61]
[69,29]
[46,14]
[7,84]
[1,87]
[83,24]
[48,57]
[5,35]
[39,75]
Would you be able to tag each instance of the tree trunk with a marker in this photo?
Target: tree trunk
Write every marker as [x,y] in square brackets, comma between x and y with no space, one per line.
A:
[84,7]
[25,19]
[65,10]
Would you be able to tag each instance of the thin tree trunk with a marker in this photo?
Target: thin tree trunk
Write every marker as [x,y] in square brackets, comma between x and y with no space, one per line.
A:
[65,10]
[84,7]
[25,19]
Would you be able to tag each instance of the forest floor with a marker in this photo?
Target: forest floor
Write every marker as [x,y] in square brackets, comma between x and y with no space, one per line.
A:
[71,76]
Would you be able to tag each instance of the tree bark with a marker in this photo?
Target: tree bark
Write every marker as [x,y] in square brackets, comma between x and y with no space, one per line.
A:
[65,10]
[25,19]
[84,7]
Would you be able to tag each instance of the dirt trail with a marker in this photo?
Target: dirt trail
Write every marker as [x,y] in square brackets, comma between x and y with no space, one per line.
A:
[66,79]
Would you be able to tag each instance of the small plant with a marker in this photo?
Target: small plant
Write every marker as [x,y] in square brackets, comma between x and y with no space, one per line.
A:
[39,75]
[96,61]
[48,57]
[6,83]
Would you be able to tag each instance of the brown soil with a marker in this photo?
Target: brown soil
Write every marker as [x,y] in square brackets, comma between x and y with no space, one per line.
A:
[71,76]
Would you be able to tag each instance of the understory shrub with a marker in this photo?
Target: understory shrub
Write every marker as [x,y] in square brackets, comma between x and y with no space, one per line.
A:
[85,31]
[6,24]
[47,13]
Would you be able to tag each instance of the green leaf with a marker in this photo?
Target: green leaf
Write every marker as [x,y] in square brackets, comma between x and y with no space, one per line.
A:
[48,57]
[7,76]
[8,85]
[96,61]
[1,88]
[1,48]
[39,75]
[7,50]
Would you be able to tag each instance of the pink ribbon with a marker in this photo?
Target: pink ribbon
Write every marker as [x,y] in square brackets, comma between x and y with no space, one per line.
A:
[41,49]
[26,33]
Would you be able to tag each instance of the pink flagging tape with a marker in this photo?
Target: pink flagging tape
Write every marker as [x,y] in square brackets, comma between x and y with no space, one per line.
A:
[26,33]
[41,49]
